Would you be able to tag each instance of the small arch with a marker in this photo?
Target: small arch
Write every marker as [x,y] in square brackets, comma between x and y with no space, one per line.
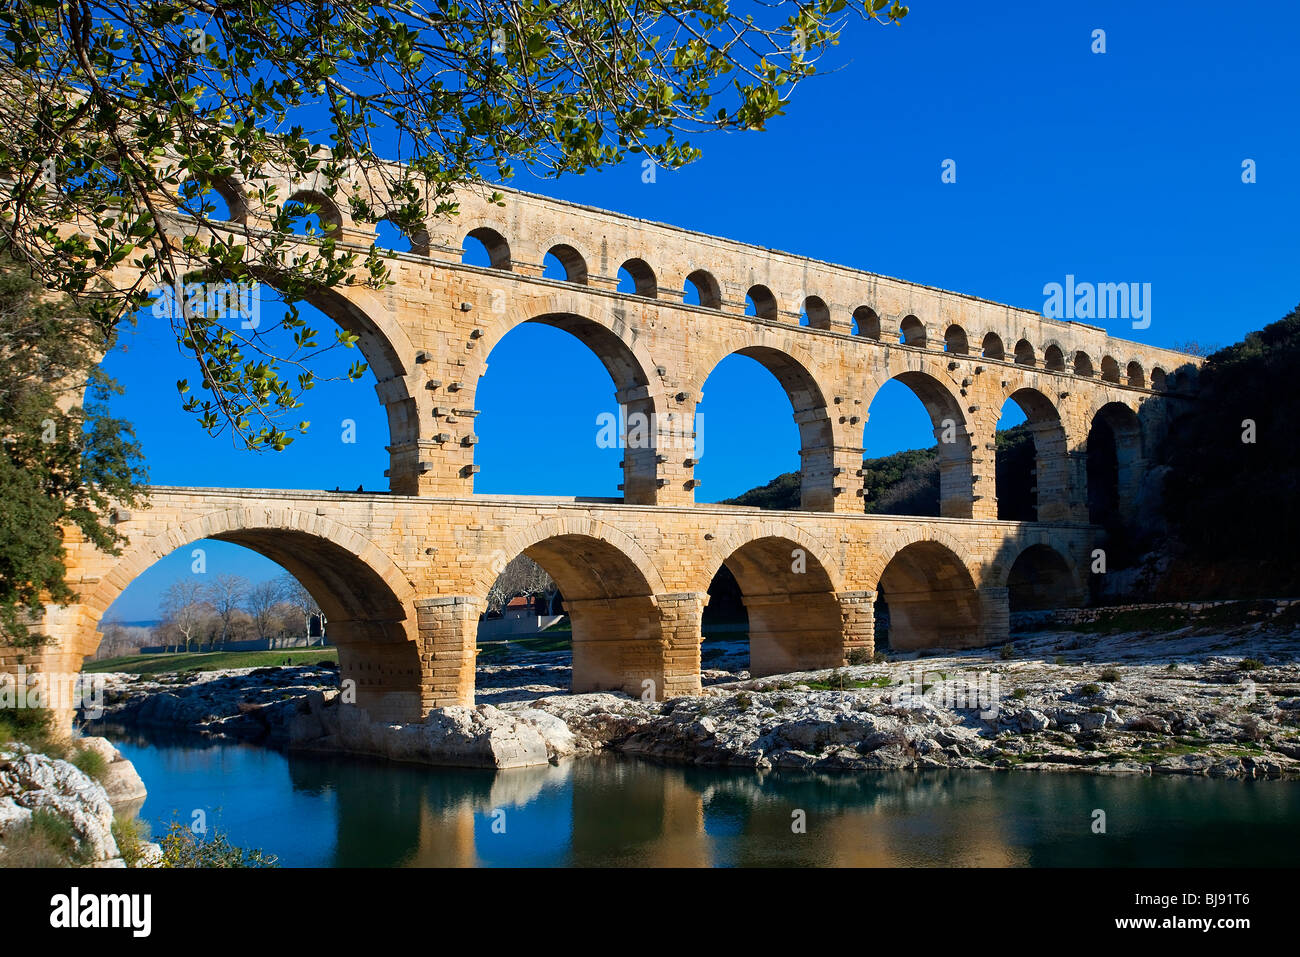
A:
[1082,364]
[1025,353]
[571,263]
[307,204]
[1136,377]
[1040,579]
[493,246]
[224,197]
[911,332]
[701,289]
[992,347]
[1158,379]
[1109,369]
[390,236]
[1054,359]
[636,278]
[817,313]
[866,323]
[955,341]
[760,302]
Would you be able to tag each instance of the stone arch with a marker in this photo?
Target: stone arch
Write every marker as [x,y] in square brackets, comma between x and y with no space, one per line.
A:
[1158,379]
[522,540]
[1040,578]
[911,332]
[498,248]
[1051,501]
[807,404]
[954,340]
[795,622]
[609,586]
[644,282]
[951,433]
[1116,461]
[991,347]
[368,600]
[927,598]
[628,363]
[1109,369]
[1054,358]
[1025,355]
[571,261]
[389,354]
[707,288]
[330,213]
[765,305]
[1082,364]
[818,313]
[231,191]
[866,322]
[417,235]
[1135,376]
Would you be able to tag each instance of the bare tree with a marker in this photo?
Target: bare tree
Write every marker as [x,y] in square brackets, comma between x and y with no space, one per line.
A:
[522,577]
[293,592]
[183,606]
[226,593]
[260,601]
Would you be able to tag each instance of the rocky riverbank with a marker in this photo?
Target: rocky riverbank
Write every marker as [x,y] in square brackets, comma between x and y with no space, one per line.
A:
[1183,702]
[32,783]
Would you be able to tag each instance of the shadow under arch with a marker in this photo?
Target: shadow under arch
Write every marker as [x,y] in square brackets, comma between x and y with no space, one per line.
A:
[366,598]
[955,450]
[637,402]
[795,621]
[811,416]
[1042,578]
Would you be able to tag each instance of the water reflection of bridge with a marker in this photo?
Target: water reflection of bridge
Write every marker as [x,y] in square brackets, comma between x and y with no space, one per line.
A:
[612,812]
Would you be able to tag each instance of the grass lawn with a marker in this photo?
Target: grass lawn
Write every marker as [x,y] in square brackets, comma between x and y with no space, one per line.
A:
[212,660]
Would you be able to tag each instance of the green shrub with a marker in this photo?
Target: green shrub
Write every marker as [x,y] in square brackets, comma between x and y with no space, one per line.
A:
[1109,675]
[130,834]
[861,656]
[1058,660]
[182,849]
[744,701]
[1249,664]
[1090,689]
[33,727]
[1007,652]
[1020,694]
[91,763]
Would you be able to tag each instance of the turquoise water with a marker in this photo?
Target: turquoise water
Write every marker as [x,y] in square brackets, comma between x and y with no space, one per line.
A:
[314,811]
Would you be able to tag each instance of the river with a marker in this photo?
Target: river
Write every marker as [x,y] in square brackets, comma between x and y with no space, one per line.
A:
[322,811]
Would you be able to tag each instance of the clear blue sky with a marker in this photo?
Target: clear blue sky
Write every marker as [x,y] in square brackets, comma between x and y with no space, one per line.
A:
[1122,166]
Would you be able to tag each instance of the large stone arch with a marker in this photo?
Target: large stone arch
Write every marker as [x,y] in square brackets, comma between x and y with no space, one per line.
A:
[794,369]
[789,588]
[1040,576]
[609,586]
[367,599]
[647,424]
[925,378]
[1052,500]
[932,597]
[1113,486]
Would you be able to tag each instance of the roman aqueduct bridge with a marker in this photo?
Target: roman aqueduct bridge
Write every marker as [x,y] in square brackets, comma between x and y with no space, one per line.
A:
[403,576]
